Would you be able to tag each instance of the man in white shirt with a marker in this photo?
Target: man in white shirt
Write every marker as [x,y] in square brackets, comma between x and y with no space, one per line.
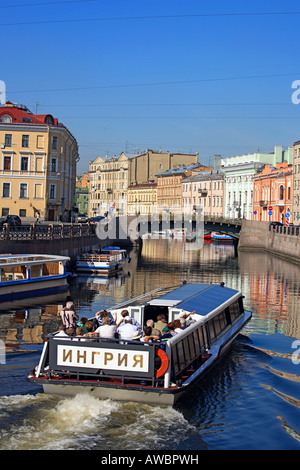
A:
[126,329]
[106,330]
[61,333]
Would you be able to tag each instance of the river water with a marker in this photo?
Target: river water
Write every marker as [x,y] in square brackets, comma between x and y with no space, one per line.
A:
[250,400]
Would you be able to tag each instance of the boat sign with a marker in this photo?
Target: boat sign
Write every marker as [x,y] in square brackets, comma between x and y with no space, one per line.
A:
[119,360]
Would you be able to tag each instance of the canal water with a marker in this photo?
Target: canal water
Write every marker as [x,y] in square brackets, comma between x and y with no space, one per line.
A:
[250,400]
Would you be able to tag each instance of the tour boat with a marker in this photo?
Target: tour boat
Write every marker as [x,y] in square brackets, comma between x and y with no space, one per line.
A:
[158,372]
[31,276]
[104,262]
[218,236]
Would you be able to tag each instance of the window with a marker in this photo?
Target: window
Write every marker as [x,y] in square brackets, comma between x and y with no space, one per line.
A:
[23,190]
[6,190]
[22,212]
[53,164]
[5,211]
[24,163]
[52,191]
[54,142]
[6,118]
[7,140]
[7,163]
[25,140]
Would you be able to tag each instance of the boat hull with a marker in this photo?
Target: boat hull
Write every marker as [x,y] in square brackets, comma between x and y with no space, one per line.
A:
[17,291]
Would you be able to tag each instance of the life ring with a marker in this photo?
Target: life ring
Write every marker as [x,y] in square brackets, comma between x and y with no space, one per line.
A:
[164,363]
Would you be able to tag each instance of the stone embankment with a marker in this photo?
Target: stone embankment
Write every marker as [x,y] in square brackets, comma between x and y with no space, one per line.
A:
[280,241]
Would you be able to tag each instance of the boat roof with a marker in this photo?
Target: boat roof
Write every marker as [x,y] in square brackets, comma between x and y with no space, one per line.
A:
[201,298]
[14,260]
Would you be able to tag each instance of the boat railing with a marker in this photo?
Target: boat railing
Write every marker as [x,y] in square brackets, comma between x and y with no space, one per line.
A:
[94,258]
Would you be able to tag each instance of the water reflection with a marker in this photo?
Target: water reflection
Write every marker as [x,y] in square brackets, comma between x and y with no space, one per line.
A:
[270,285]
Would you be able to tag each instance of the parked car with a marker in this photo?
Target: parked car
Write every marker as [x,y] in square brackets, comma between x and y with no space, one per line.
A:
[11,220]
[82,218]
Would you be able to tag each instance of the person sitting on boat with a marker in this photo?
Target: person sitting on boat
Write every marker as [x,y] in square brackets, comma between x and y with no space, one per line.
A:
[89,325]
[69,318]
[169,331]
[150,335]
[79,333]
[126,329]
[61,333]
[161,322]
[187,316]
[81,323]
[125,314]
[99,318]
[106,330]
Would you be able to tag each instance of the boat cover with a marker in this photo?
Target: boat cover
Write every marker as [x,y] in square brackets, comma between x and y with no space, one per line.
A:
[203,298]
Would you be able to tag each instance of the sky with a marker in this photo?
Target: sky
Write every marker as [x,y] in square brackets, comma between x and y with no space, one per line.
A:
[126,75]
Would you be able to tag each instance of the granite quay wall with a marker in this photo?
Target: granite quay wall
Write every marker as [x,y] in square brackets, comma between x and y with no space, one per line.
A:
[279,240]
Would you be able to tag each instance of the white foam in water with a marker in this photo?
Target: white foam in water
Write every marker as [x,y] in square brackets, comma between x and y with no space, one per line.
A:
[49,423]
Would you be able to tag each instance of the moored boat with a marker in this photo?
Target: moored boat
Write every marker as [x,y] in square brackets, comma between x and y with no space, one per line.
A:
[29,276]
[159,372]
[221,237]
[207,235]
[105,262]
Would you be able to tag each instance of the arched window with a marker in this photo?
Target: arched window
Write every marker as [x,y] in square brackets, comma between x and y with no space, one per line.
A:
[281,192]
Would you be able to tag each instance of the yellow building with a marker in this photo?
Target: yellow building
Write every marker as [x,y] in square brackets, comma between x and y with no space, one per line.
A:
[108,181]
[38,158]
[142,199]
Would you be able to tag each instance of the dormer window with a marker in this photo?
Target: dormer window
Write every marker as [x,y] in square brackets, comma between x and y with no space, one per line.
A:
[6,118]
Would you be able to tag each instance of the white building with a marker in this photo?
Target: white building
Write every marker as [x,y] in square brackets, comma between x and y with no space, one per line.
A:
[238,173]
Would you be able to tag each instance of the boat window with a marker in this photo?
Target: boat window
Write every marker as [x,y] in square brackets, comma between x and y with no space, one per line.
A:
[50,269]
[137,313]
[234,310]
[7,274]
[36,270]
[20,272]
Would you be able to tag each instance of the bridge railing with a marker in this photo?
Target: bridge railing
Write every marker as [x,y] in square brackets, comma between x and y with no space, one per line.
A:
[284,230]
[45,231]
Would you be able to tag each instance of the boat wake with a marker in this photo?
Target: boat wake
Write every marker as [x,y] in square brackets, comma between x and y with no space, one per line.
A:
[40,422]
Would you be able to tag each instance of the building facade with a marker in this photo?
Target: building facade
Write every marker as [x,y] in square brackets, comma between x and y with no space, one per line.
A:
[145,167]
[238,177]
[142,199]
[169,187]
[204,191]
[38,165]
[108,181]
[273,193]
[296,182]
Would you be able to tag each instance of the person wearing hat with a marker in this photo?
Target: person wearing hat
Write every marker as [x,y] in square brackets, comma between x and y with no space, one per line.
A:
[124,314]
[69,318]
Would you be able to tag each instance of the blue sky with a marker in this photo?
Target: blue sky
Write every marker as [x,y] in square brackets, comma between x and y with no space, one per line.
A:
[213,78]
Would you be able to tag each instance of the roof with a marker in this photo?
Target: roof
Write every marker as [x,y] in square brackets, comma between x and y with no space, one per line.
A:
[21,114]
[178,170]
[203,298]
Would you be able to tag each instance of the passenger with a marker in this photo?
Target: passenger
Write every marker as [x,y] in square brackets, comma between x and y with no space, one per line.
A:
[187,316]
[124,314]
[161,322]
[106,330]
[90,328]
[69,318]
[79,332]
[170,333]
[99,318]
[82,323]
[150,323]
[137,335]
[150,335]
[177,326]
[126,329]
[61,333]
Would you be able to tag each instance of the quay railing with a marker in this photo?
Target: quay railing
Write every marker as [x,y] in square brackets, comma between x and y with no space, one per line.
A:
[285,230]
[45,231]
